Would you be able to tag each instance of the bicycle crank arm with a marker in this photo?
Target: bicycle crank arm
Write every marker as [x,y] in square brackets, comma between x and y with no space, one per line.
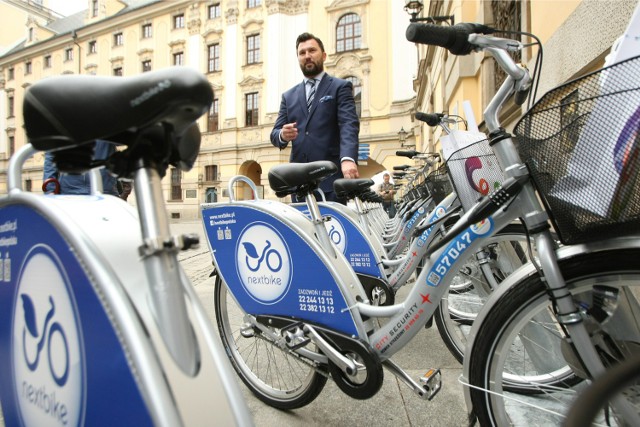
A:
[345,364]
[431,381]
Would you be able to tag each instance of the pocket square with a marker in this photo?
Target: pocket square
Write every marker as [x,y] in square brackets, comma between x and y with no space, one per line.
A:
[326,98]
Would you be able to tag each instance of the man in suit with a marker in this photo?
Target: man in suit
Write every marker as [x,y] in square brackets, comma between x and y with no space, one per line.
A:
[318,116]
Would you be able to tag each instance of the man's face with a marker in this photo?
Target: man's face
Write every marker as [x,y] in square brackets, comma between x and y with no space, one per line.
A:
[386,178]
[311,58]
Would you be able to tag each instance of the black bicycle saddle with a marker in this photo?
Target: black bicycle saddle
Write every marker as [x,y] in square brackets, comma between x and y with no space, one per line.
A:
[64,111]
[286,178]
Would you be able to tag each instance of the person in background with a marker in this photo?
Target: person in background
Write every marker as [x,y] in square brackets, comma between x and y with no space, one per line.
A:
[318,117]
[387,193]
[80,183]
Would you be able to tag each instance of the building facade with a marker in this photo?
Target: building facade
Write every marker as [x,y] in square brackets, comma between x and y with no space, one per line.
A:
[576,36]
[246,48]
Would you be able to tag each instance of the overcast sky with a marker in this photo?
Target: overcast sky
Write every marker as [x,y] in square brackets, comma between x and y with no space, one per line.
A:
[67,7]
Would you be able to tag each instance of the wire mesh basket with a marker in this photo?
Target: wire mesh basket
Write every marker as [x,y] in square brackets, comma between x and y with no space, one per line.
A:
[581,142]
[439,184]
[475,172]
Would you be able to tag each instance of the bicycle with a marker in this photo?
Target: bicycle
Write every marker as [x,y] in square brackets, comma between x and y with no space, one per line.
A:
[537,341]
[98,322]
[593,406]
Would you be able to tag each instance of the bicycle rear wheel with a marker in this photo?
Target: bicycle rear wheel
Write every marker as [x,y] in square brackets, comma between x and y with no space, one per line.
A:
[505,252]
[275,376]
[520,342]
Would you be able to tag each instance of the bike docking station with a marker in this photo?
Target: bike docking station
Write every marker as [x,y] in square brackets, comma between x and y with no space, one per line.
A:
[295,290]
[81,338]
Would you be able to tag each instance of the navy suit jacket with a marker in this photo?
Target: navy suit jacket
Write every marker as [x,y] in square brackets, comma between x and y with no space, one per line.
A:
[328,131]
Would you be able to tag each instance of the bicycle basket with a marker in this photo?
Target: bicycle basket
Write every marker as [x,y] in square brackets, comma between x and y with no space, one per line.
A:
[475,172]
[439,184]
[581,143]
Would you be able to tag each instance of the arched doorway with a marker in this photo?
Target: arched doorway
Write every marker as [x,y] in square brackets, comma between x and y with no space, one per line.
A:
[252,170]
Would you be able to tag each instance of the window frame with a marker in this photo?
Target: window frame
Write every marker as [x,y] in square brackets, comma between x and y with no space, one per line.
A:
[354,39]
[213,62]
[253,52]
[92,46]
[178,21]
[146,30]
[253,3]
[176,184]
[251,115]
[214,11]
[118,39]
[178,58]
[213,116]
[144,64]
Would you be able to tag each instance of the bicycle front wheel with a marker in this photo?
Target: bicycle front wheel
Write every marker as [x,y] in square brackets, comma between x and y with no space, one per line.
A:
[275,376]
[520,346]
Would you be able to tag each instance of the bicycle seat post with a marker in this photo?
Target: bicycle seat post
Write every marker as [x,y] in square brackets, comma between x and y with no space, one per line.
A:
[161,264]
[318,223]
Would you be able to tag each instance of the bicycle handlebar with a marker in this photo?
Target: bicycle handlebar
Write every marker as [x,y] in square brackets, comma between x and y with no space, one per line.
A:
[432,119]
[410,154]
[455,39]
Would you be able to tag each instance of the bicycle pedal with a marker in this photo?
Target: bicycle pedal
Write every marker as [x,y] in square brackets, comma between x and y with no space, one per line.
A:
[431,382]
[294,336]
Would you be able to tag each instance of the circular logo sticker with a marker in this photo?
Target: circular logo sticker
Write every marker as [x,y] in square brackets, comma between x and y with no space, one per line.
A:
[483,227]
[263,263]
[46,356]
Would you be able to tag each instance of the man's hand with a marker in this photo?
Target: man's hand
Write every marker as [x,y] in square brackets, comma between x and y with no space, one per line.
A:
[289,132]
[349,169]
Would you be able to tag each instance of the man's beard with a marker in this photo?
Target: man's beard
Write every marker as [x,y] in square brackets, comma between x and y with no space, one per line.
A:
[313,71]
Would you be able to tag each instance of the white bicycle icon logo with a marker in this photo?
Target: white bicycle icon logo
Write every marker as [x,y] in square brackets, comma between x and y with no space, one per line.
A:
[267,255]
[48,334]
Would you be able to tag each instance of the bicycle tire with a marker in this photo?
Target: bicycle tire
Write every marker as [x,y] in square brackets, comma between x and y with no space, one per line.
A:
[505,341]
[453,322]
[274,376]
[587,407]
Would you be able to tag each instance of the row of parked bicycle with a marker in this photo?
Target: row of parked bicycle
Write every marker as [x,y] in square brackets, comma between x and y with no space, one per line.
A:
[524,255]
[523,247]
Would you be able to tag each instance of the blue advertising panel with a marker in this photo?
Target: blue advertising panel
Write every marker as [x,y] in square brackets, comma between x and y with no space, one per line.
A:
[349,240]
[272,270]
[61,363]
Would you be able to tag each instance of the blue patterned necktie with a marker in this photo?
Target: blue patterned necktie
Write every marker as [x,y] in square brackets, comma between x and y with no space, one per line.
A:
[312,92]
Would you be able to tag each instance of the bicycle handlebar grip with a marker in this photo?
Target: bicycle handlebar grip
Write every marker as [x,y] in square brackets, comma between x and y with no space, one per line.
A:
[401,167]
[408,154]
[430,119]
[454,39]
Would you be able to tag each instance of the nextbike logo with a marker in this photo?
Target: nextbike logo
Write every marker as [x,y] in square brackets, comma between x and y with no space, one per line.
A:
[337,234]
[47,351]
[264,263]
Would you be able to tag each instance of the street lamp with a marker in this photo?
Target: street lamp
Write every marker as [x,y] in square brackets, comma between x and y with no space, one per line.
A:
[414,7]
[402,136]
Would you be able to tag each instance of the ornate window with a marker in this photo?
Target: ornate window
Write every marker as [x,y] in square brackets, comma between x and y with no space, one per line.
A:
[251,109]
[253,49]
[213,11]
[348,33]
[213,54]
[176,184]
[213,119]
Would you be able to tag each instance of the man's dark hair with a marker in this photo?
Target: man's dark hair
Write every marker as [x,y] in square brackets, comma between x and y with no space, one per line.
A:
[308,36]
